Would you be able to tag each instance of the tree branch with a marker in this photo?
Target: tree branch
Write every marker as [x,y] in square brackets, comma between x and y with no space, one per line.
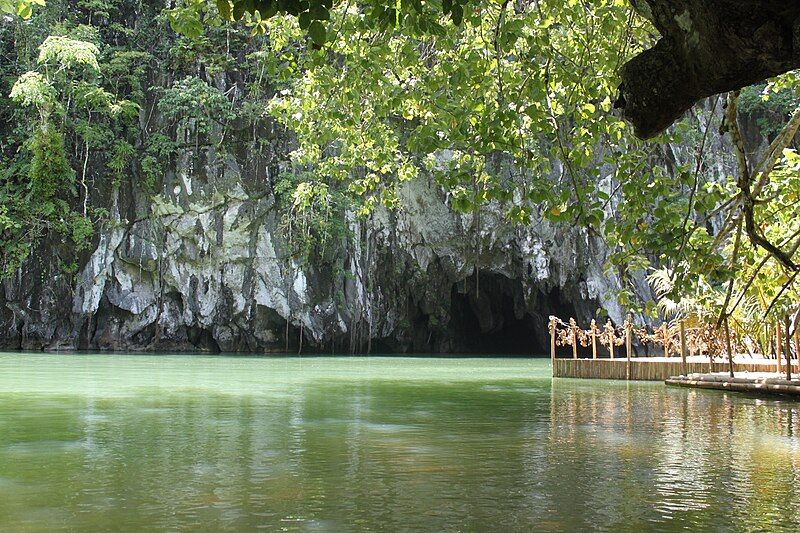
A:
[745,180]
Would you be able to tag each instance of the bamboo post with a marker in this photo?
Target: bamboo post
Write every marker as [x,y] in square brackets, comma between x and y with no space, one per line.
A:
[711,355]
[788,351]
[778,345]
[594,339]
[628,344]
[796,343]
[610,338]
[552,327]
[574,327]
[665,336]
[769,348]
[683,348]
[728,346]
[765,344]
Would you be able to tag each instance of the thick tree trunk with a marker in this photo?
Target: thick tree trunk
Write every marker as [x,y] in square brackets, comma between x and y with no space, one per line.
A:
[707,47]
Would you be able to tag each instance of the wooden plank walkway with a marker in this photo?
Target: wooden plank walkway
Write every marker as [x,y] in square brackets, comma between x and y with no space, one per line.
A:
[655,368]
[759,383]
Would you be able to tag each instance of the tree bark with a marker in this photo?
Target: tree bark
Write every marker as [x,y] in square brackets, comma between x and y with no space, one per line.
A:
[707,47]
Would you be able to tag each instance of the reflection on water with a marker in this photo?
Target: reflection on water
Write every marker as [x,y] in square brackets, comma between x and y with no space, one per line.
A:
[326,444]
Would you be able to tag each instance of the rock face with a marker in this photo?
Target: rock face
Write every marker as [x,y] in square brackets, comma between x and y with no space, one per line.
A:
[204,266]
[707,47]
[202,261]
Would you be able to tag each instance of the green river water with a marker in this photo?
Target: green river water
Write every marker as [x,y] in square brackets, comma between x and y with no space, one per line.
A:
[132,443]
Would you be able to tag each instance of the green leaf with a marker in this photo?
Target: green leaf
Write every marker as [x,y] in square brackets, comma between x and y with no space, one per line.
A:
[239,9]
[317,32]
[25,11]
[457,14]
[319,12]
[224,7]
[268,9]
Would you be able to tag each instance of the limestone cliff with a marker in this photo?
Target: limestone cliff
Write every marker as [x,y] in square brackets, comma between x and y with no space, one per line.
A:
[204,265]
[200,258]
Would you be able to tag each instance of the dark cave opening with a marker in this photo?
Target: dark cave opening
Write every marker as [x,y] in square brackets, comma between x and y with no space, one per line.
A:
[489,316]
[511,335]
[202,339]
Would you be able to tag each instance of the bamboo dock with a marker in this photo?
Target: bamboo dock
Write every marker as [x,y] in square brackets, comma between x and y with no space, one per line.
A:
[686,351]
[654,368]
[756,384]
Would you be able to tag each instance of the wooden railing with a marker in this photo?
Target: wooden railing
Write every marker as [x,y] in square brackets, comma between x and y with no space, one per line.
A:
[673,338]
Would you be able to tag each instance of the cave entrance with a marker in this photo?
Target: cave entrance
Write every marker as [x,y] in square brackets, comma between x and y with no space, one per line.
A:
[491,317]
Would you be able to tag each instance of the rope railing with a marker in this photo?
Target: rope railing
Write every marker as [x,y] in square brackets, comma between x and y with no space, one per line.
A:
[671,337]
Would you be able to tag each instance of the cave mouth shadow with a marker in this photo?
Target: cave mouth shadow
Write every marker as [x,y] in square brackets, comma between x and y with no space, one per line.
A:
[489,316]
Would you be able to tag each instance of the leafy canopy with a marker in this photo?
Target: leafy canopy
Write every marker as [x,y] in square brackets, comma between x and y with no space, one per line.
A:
[314,16]
[503,107]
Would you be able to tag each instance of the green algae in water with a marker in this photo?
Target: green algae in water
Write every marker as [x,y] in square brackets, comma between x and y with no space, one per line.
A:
[114,442]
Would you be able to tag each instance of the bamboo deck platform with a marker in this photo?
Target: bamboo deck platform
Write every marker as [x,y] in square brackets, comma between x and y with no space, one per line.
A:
[759,383]
[658,368]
